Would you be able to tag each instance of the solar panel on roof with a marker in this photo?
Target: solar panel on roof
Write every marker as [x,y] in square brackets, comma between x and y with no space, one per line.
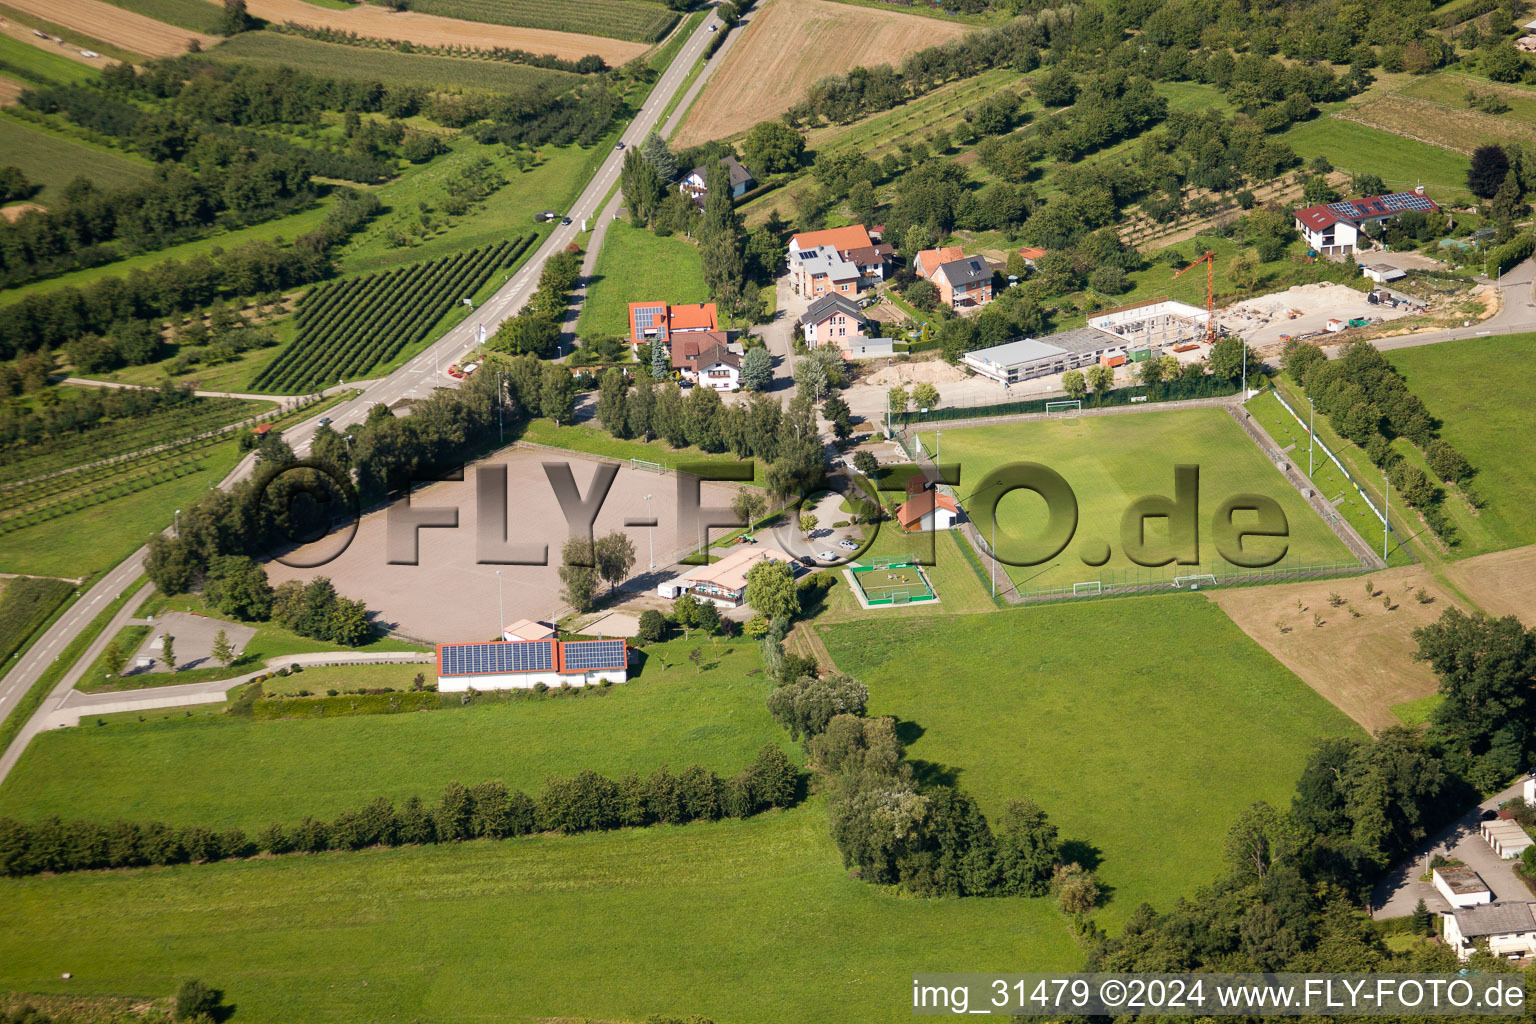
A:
[516,656]
[581,655]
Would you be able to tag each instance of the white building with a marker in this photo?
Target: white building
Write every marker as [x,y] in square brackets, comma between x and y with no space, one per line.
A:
[1334,228]
[1508,928]
[861,347]
[1383,273]
[522,665]
[1461,886]
[695,183]
[1505,838]
[1040,357]
[528,629]
[724,582]
[927,511]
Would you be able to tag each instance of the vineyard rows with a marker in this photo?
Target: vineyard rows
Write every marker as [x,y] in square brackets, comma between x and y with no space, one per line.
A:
[617,19]
[348,327]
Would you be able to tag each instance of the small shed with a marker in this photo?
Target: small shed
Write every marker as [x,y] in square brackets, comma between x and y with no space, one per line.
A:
[1383,273]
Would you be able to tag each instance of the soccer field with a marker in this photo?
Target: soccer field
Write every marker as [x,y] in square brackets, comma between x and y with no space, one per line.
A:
[1111,461]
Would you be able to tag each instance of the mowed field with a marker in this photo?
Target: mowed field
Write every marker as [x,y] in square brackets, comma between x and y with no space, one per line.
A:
[637,20]
[1111,461]
[115,25]
[1117,717]
[53,161]
[635,264]
[1484,406]
[435,30]
[1401,162]
[791,43]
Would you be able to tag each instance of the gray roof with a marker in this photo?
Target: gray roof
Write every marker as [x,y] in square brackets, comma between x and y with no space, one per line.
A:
[1461,880]
[1025,350]
[828,304]
[1494,919]
[738,173]
[967,271]
[826,260]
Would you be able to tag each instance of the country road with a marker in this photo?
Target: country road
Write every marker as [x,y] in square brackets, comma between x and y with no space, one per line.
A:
[417,377]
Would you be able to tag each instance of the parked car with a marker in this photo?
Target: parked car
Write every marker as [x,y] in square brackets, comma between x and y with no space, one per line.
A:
[1490,814]
[807,560]
[848,542]
[827,556]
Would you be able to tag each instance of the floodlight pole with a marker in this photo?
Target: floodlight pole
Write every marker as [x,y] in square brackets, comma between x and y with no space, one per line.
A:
[1386,512]
[650,530]
[1311,437]
[501,609]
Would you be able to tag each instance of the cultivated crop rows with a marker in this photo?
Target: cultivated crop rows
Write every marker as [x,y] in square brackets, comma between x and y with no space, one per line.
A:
[348,327]
[30,461]
[620,19]
[162,467]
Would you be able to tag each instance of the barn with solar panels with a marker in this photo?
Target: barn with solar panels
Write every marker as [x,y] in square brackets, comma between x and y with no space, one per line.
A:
[522,665]
[1335,228]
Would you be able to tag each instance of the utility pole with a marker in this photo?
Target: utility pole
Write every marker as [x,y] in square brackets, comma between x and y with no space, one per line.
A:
[178,524]
[1386,513]
[501,608]
[650,530]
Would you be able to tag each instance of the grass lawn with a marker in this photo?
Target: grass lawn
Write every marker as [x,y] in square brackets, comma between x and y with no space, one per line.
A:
[1401,162]
[742,921]
[1417,712]
[28,61]
[1110,461]
[1484,410]
[53,161]
[1282,427]
[128,640]
[1115,716]
[370,64]
[635,265]
[671,714]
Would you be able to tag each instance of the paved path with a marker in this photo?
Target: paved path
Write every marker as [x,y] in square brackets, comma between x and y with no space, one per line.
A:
[1517,314]
[1398,893]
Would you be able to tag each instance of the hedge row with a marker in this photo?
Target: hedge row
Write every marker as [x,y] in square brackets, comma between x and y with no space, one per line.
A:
[588,802]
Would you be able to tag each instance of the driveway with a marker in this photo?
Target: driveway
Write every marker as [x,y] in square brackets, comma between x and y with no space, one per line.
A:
[778,337]
[1398,893]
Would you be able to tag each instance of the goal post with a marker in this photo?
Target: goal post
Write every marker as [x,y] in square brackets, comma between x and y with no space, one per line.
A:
[1092,587]
[647,467]
[1064,404]
[1194,581]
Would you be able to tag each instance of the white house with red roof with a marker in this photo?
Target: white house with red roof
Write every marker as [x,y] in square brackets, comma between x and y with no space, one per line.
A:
[1334,228]
[926,511]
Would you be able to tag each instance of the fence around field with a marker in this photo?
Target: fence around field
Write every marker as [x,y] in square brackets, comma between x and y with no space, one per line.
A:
[907,592]
[1127,396]
[1332,457]
[1123,582]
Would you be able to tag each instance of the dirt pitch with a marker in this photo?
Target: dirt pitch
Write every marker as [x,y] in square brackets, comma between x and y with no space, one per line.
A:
[791,43]
[115,25]
[433,30]
[1363,666]
[1502,582]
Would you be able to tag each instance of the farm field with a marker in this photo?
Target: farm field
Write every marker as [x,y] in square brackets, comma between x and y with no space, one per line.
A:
[124,28]
[368,64]
[1401,162]
[636,20]
[188,14]
[1110,461]
[1458,382]
[636,264]
[1451,89]
[791,43]
[722,919]
[1439,124]
[26,62]
[53,161]
[1501,582]
[26,604]
[671,714]
[1064,703]
[434,30]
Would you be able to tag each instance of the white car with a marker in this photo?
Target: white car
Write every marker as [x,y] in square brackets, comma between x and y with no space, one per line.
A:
[826,556]
[714,28]
[848,543]
[89,54]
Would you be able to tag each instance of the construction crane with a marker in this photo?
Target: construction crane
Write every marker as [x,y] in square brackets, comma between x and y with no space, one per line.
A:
[1209,259]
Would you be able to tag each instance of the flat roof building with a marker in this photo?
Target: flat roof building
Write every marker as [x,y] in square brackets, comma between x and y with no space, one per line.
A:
[1505,838]
[1040,357]
[522,665]
[1461,886]
[724,582]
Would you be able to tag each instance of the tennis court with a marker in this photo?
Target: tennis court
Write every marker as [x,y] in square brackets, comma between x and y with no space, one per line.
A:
[892,584]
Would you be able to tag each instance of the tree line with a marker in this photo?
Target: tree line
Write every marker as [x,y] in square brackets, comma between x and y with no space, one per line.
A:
[1367,401]
[587,802]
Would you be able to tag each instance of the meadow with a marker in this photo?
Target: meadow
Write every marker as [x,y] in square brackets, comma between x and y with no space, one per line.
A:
[372,64]
[741,921]
[636,264]
[1485,412]
[638,20]
[1113,715]
[25,605]
[1401,162]
[1109,462]
[197,15]
[673,714]
[28,63]
[53,161]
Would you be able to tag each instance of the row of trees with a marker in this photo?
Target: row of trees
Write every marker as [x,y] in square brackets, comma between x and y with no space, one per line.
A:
[535,330]
[586,802]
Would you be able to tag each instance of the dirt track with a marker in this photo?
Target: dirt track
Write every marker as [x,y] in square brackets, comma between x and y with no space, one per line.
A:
[24,34]
[432,30]
[116,26]
[1362,666]
[788,45]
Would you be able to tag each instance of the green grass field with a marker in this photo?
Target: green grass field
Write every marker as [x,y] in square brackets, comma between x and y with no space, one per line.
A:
[25,605]
[197,15]
[26,63]
[619,19]
[1401,162]
[53,161]
[743,921]
[368,63]
[671,714]
[1485,412]
[1286,432]
[635,265]
[1109,461]
[1115,716]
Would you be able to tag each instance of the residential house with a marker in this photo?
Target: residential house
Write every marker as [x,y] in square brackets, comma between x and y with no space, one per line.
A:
[522,665]
[926,511]
[843,260]
[964,282]
[694,183]
[832,319]
[1335,228]
[1030,254]
[1508,927]
[724,582]
[657,321]
[929,260]
[706,359]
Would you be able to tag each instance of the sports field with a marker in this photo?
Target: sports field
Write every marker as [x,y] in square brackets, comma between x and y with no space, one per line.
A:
[893,584]
[1115,716]
[1485,412]
[1111,461]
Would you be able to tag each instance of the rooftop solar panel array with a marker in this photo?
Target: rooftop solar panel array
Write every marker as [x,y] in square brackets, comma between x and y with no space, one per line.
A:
[1396,202]
[583,655]
[474,659]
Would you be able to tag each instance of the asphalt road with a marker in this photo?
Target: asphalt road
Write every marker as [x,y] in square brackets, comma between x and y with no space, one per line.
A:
[416,378]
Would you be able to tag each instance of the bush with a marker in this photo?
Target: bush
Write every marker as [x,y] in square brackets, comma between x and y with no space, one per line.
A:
[653,626]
